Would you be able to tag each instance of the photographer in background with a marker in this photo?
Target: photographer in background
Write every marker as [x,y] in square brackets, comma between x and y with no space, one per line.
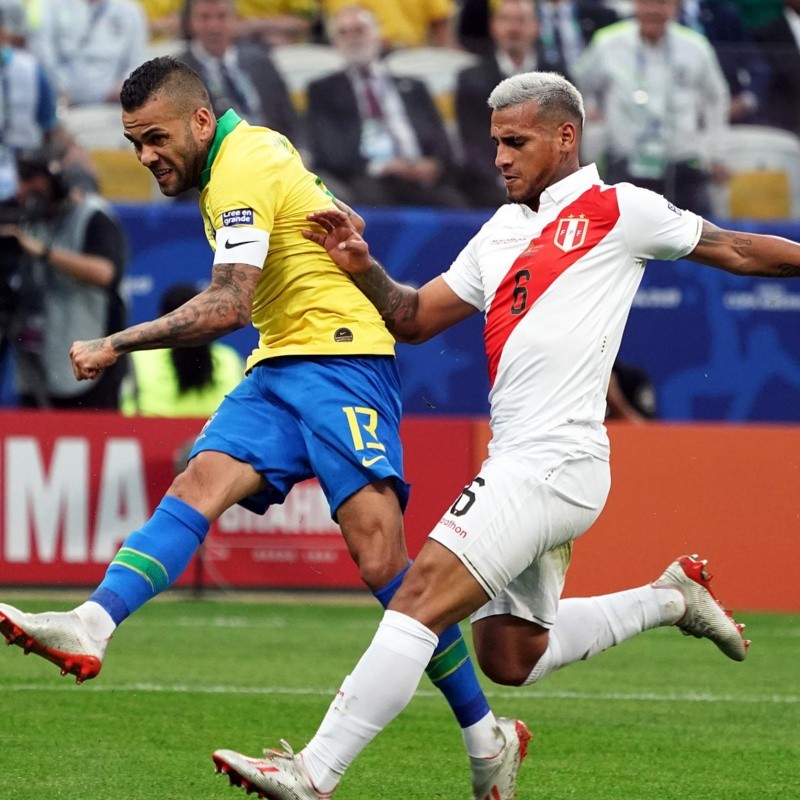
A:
[68,255]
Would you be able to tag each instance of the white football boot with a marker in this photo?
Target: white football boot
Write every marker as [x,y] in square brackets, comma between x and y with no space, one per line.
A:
[279,775]
[496,778]
[705,617]
[58,636]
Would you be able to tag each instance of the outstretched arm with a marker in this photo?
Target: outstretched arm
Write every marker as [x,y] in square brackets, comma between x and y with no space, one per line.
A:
[753,254]
[412,315]
[222,307]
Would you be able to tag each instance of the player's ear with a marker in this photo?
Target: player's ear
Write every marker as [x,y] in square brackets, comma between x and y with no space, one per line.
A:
[567,134]
[204,124]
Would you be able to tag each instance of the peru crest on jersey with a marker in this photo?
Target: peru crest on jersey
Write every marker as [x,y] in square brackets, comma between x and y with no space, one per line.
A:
[571,233]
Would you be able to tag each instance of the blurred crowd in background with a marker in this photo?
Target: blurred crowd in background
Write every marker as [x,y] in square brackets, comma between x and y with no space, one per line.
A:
[386,100]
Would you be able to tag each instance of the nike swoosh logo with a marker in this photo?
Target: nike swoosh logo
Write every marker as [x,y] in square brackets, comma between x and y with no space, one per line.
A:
[231,245]
[368,462]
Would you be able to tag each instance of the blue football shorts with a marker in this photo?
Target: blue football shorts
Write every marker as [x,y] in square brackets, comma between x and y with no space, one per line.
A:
[293,418]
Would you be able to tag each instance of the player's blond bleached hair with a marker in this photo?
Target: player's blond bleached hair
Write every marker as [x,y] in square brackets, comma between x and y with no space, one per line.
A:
[554,95]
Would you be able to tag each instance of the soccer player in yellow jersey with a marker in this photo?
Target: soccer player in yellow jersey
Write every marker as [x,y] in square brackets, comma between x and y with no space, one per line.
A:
[321,396]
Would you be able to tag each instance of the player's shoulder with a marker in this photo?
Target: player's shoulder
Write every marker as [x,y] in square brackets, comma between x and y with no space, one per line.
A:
[645,213]
[504,225]
[249,152]
[636,199]
[245,140]
[507,215]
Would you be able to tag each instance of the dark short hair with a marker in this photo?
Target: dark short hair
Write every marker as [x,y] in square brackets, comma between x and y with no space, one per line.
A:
[166,74]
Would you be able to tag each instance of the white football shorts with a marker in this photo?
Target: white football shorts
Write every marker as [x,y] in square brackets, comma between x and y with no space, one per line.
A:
[514,525]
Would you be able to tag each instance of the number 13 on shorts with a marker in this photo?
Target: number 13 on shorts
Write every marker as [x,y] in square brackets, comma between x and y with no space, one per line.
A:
[363,424]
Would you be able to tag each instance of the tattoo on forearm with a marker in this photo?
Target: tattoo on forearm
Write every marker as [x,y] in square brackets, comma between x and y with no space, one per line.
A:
[395,302]
[757,256]
[715,236]
[223,307]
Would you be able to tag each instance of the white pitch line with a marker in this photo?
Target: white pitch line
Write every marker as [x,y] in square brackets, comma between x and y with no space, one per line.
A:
[647,697]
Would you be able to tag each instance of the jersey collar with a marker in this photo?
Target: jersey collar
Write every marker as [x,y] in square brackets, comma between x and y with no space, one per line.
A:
[225,124]
[577,181]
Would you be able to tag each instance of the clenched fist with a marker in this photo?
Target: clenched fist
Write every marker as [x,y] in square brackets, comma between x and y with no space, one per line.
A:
[91,357]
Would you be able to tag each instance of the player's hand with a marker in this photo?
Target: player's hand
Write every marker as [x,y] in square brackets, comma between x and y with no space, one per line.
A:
[355,218]
[91,357]
[340,238]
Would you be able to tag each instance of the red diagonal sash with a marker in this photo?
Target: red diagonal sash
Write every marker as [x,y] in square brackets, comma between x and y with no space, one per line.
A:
[578,228]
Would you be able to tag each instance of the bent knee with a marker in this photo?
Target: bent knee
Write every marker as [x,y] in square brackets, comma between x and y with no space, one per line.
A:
[504,672]
[182,485]
[376,570]
[508,649]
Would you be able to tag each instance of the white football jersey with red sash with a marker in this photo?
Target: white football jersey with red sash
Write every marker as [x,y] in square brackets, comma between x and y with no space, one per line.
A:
[556,287]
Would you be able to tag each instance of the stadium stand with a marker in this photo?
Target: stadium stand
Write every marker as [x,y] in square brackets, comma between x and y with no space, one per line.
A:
[437,68]
[120,177]
[95,127]
[299,64]
[764,163]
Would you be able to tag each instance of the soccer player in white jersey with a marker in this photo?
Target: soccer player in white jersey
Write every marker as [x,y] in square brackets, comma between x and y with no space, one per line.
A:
[555,272]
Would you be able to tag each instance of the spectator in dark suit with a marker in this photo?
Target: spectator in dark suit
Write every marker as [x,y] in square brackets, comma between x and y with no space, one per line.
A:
[781,44]
[238,76]
[514,29]
[743,64]
[379,136]
[567,26]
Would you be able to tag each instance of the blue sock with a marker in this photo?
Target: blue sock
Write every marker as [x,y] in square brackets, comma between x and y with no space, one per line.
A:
[450,667]
[151,558]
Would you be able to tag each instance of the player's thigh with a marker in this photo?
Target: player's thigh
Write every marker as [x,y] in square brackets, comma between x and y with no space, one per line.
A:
[348,411]
[252,427]
[577,490]
[519,508]
[351,425]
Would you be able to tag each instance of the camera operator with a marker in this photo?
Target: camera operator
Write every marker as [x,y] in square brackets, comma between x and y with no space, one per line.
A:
[70,255]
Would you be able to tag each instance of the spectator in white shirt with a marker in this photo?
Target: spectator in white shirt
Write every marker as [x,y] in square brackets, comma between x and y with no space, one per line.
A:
[664,99]
[90,46]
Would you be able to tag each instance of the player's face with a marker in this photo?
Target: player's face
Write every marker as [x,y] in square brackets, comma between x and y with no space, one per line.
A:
[529,151]
[170,144]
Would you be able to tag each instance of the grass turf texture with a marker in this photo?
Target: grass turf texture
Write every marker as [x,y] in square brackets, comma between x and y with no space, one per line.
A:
[659,718]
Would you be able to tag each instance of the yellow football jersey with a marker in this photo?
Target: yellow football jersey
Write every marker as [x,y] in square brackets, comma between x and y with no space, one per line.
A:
[255,189]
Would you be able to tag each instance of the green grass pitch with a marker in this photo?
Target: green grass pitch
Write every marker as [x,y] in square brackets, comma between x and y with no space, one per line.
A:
[660,718]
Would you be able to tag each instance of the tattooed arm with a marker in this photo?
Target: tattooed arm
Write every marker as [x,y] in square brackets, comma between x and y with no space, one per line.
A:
[411,315]
[219,309]
[751,254]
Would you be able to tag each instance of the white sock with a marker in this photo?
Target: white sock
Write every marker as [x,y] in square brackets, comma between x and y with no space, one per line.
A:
[379,688]
[97,620]
[586,626]
[483,739]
